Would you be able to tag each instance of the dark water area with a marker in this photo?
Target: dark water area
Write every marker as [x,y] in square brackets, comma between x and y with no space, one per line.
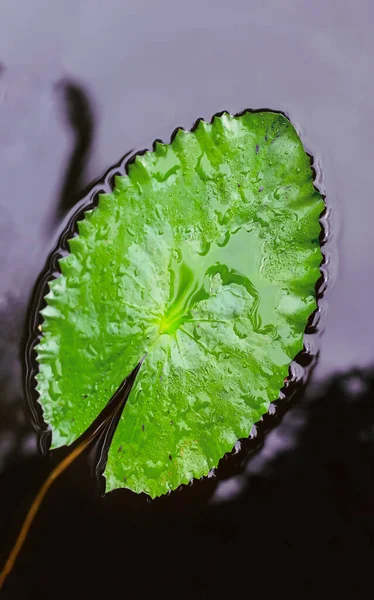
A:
[81,84]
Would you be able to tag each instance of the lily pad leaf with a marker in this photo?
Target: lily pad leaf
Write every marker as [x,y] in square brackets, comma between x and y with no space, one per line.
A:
[204,259]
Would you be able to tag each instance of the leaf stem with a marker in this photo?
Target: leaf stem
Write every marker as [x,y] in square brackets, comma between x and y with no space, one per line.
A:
[57,471]
[113,408]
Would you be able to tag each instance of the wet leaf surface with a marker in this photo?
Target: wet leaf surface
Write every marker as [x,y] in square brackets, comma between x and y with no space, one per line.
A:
[205,259]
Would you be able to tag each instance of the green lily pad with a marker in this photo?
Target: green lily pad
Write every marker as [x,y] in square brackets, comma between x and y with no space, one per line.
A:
[205,259]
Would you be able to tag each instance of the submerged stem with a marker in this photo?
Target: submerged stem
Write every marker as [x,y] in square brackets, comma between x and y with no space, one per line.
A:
[112,409]
[61,467]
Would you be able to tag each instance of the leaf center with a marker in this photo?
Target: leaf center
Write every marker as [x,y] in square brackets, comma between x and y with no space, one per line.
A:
[185,290]
[195,277]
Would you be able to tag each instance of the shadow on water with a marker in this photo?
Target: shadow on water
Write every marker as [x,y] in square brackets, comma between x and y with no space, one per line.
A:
[317,496]
[78,113]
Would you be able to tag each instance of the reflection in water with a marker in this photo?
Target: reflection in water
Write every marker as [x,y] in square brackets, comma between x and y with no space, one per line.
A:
[79,116]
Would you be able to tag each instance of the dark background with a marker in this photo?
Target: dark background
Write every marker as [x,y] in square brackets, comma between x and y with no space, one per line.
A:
[84,82]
